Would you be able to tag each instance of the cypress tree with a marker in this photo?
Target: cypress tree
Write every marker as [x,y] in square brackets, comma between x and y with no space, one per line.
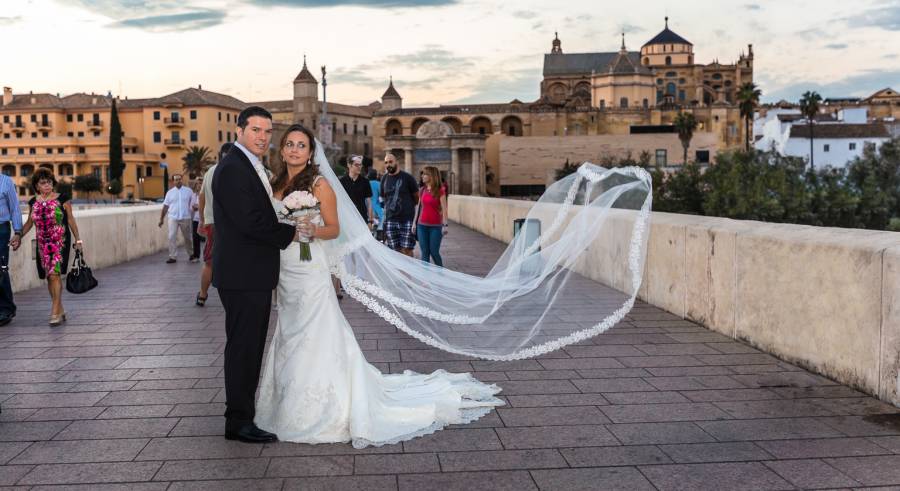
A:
[116,163]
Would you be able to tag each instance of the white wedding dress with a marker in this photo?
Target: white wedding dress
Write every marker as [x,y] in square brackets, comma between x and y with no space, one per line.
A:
[318,388]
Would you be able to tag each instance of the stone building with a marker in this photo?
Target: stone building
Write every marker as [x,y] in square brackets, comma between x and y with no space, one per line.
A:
[619,93]
[351,126]
[70,135]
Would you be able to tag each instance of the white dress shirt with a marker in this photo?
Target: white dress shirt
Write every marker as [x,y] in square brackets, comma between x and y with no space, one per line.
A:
[179,202]
[207,191]
[257,165]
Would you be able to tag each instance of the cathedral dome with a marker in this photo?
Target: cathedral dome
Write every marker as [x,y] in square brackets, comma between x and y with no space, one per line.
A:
[667,36]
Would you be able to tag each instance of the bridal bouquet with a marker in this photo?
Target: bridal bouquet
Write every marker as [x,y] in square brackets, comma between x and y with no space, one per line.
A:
[298,205]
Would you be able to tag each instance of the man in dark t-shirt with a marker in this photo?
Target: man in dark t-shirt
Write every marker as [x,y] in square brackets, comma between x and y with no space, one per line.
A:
[358,187]
[400,193]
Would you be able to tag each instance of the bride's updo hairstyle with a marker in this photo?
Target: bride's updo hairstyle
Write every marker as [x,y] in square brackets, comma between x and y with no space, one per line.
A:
[304,180]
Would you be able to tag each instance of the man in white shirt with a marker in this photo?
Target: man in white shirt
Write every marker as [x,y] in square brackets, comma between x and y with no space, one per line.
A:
[177,206]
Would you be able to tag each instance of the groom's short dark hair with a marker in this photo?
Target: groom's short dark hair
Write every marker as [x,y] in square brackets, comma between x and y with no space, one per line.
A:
[249,112]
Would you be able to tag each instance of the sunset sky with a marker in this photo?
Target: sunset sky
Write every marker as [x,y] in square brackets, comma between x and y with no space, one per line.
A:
[438,51]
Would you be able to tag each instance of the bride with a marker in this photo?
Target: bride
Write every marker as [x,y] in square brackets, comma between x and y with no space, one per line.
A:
[317,386]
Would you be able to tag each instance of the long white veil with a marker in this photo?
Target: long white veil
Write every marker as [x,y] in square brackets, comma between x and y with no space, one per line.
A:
[532,301]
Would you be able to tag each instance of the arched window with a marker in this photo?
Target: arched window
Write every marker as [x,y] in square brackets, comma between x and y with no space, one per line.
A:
[9,170]
[671,74]
[646,103]
[417,123]
[623,103]
[511,126]
[393,128]
[668,60]
[27,170]
[670,88]
[646,60]
[66,170]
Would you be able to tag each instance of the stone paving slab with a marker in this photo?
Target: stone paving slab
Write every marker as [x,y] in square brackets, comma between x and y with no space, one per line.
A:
[128,395]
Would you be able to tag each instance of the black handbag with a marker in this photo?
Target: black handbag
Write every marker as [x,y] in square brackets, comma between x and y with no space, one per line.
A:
[80,279]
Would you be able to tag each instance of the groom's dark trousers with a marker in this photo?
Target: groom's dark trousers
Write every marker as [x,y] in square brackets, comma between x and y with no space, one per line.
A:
[245,271]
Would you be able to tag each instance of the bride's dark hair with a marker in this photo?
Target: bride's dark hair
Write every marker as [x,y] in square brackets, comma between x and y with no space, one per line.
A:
[304,180]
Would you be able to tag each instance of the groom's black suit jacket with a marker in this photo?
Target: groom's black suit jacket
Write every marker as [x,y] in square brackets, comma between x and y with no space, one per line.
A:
[248,236]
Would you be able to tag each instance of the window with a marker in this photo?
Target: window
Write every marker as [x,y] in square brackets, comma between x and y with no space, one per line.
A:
[3,151]
[365,149]
[346,147]
[96,134]
[623,103]
[670,89]
[80,134]
[193,114]
[702,156]
[149,172]
[228,136]
[345,130]
[81,150]
[671,74]
[511,131]
[21,151]
[80,118]
[71,134]
[96,118]
[34,118]
[49,151]
[853,146]
[95,170]
[34,134]
[44,134]
[366,130]
[681,95]
[333,127]
[220,136]
[220,115]
[9,170]
[32,151]
[175,117]
[69,118]
[661,159]
[176,136]
[668,60]
[193,135]
[27,170]
[6,118]
[827,147]
[155,115]
[354,129]
[682,81]
[157,137]
[227,117]
[59,150]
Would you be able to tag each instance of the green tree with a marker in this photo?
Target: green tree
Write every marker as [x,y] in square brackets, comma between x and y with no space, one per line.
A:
[685,124]
[196,160]
[680,191]
[748,98]
[114,188]
[116,162]
[88,183]
[875,178]
[565,170]
[809,106]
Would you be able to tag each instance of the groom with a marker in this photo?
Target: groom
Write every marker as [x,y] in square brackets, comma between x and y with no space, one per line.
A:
[245,266]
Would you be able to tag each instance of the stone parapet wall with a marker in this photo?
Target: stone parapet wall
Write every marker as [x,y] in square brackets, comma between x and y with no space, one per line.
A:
[827,299]
[111,235]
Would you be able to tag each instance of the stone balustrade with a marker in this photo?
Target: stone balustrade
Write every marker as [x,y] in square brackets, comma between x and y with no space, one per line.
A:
[111,235]
[827,299]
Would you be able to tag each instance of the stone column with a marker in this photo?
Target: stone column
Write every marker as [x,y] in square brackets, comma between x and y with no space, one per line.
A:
[454,170]
[408,159]
[477,174]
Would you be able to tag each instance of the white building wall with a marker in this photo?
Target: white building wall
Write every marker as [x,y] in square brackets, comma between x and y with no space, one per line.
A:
[854,115]
[838,153]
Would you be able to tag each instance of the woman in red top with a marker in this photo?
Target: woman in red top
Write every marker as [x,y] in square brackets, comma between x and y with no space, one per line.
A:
[432,213]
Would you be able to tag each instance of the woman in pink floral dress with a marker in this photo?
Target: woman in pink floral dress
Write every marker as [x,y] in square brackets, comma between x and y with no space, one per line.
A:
[54,223]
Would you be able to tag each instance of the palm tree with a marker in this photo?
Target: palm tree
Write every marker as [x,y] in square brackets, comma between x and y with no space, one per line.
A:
[196,160]
[685,124]
[809,106]
[748,97]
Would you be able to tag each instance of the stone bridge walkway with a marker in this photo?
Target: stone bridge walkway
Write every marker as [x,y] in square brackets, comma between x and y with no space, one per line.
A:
[128,395]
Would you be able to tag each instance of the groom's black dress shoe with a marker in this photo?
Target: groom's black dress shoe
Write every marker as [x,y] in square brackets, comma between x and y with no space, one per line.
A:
[251,434]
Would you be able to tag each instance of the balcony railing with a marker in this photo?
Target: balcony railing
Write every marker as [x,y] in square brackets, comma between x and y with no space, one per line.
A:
[44,125]
[174,122]
[95,125]
[17,127]
[174,143]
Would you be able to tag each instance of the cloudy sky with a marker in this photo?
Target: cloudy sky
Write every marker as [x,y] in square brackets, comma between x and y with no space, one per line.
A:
[438,51]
